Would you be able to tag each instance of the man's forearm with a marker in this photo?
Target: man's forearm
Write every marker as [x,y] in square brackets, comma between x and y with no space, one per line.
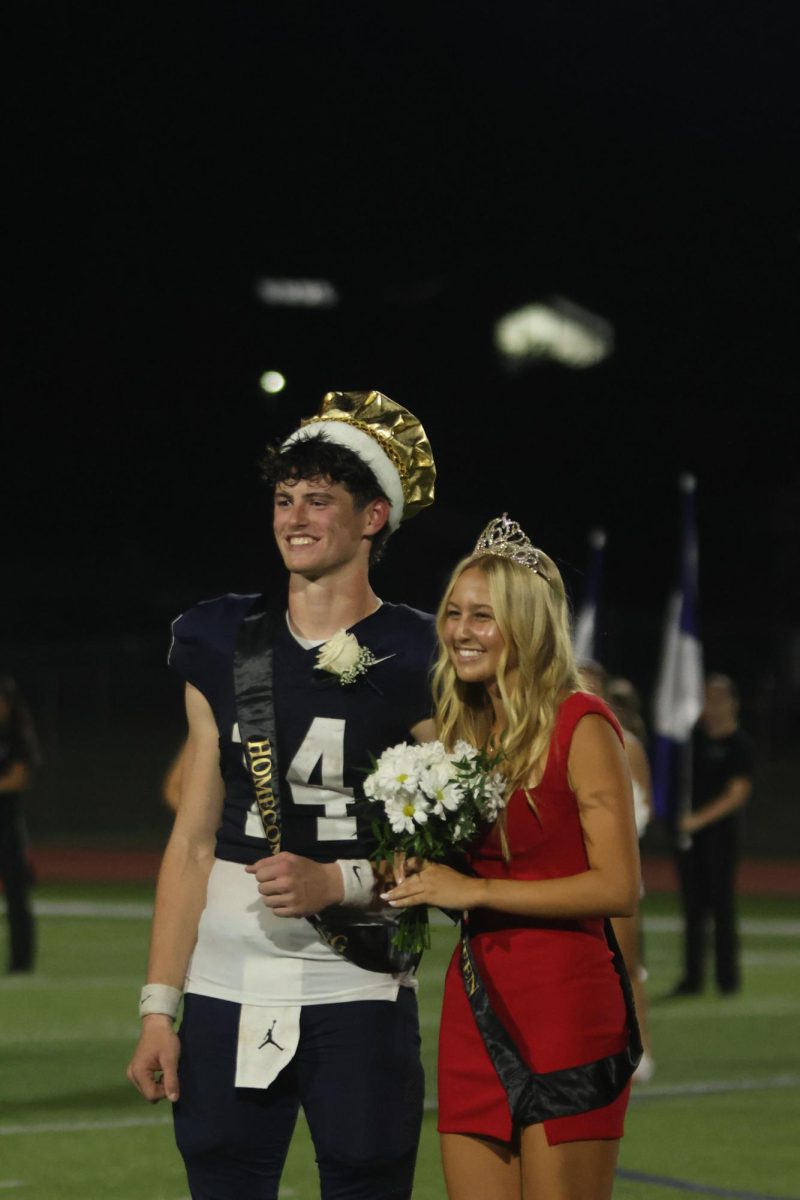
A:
[180,899]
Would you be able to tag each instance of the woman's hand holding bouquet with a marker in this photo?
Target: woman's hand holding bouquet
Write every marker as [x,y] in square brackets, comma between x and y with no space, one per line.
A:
[432,804]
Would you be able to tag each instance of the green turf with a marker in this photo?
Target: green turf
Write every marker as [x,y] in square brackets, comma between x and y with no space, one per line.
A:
[66,1033]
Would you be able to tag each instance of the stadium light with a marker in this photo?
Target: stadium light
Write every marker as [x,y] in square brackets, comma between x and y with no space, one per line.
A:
[272,382]
[558,330]
[296,293]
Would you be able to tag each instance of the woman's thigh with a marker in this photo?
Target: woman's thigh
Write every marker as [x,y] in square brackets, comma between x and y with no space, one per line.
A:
[567,1171]
[477,1168]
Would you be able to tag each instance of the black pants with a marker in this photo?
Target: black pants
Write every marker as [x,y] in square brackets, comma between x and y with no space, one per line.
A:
[15,873]
[356,1074]
[708,889]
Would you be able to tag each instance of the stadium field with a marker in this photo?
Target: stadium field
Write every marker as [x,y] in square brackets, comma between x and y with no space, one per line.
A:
[721,1117]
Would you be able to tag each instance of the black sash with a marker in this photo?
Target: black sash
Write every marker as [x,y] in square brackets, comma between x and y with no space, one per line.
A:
[365,938]
[539,1097]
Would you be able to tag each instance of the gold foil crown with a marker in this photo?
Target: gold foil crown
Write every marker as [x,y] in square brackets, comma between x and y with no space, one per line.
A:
[504,538]
[396,431]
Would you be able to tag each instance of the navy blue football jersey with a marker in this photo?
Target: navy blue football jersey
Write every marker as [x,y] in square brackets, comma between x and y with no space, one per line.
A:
[326,730]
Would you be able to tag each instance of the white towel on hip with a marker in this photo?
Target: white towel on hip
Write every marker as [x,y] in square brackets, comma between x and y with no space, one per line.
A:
[268,1039]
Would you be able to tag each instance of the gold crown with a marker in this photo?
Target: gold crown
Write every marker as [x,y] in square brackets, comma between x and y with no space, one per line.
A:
[396,431]
[504,538]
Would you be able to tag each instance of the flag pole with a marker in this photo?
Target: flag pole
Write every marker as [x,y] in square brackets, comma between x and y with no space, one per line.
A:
[679,691]
[586,634]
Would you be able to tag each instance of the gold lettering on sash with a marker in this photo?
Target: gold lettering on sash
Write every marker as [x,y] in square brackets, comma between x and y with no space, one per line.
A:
[259,758]
[336,941]
[339,943]
[468,971]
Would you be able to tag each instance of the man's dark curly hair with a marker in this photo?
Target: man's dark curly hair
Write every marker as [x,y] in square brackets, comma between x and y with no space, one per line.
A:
[317,458]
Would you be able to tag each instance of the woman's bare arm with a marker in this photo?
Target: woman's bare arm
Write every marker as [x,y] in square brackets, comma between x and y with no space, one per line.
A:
[600,777]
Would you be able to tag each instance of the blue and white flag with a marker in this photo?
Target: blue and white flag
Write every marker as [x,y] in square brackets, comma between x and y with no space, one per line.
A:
[586,634]
[679,692]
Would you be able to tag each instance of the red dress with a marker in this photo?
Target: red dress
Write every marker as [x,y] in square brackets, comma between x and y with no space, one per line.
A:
[551,982]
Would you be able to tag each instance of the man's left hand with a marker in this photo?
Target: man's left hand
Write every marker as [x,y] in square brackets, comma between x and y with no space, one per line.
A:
[297,887]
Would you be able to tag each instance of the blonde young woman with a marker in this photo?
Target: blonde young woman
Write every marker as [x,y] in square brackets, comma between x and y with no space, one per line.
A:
[538,1038]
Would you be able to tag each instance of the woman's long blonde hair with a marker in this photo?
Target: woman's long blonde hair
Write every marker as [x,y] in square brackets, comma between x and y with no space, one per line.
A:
[536,668]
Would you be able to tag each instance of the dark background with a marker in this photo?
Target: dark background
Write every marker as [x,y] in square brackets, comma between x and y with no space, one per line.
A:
[439,165]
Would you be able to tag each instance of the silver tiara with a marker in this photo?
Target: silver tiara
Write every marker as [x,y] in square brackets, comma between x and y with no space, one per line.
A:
[503,537]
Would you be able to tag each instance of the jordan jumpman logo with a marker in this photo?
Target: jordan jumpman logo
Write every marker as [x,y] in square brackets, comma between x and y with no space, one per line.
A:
[269,1040]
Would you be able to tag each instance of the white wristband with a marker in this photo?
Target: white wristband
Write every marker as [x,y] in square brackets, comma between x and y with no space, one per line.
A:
[159,998]
[358,880]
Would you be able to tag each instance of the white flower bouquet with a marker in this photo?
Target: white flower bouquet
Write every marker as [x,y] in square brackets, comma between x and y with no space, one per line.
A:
[432,804]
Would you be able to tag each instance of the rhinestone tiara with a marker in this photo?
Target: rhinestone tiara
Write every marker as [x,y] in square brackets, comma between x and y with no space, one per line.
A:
[505,538]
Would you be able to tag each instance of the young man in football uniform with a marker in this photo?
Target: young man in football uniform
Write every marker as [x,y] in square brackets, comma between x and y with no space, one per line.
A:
[266,919]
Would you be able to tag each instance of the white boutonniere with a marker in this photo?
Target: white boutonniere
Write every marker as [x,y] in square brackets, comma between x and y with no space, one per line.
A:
[341,655]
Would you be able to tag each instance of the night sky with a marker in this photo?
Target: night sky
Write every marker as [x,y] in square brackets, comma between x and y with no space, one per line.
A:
[439,165]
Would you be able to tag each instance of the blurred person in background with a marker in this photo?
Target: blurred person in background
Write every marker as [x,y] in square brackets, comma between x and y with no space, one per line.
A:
[624,702]
[593,676]
[623,699]
[722,781]
[19,757]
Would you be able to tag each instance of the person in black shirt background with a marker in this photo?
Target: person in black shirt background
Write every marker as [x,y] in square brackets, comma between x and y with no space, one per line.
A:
[18,758]
[722,780]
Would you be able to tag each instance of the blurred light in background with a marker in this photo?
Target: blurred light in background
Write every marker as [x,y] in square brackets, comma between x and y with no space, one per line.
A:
[558,330]
[272,382]
[296,293]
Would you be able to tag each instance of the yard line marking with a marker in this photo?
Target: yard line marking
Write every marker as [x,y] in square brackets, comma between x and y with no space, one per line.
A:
[12,1183]
[52,1037]
[115,909]
[647,1092]
[686,1007]
[697,1189]
[711,1087]
[758,926]
[142,910]
[703,1010]
[771,958]
[770,927]
[84,1126]
[44,983]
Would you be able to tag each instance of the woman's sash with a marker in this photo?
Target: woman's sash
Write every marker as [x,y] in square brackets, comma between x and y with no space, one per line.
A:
[364,938]
[542,1096]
